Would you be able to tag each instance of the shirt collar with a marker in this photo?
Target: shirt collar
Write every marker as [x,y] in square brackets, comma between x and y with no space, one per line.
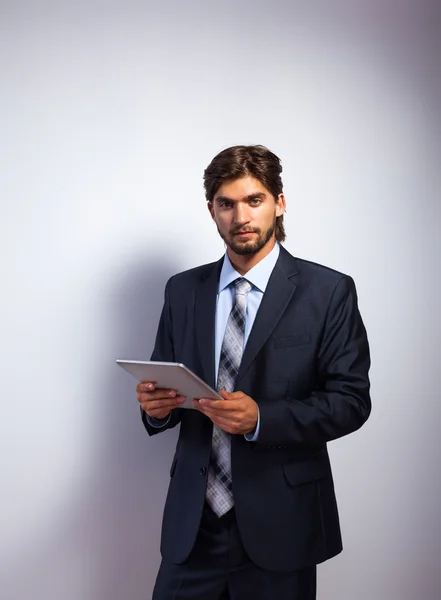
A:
[258,276]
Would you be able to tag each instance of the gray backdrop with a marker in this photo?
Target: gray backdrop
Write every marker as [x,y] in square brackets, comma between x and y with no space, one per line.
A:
[109,113]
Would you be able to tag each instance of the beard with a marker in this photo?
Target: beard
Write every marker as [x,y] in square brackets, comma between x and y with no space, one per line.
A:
[244,248]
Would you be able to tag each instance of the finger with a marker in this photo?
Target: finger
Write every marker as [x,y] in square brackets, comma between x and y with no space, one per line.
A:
[229,423]
[158,393]
[231,395]
[226,424]
[145,386]
[202,409]
[150,386]
[215,414]
[162,403]
[217,404]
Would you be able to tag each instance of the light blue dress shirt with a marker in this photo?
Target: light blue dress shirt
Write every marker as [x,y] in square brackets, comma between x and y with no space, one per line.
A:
[258,276]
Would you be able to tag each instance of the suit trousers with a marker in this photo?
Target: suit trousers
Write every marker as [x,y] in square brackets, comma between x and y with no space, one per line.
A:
[218,568]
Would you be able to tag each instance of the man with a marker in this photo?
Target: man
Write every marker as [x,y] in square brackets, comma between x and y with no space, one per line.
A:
[251,508]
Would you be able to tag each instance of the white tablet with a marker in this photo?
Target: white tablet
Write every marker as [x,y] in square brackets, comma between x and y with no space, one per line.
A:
[171,376]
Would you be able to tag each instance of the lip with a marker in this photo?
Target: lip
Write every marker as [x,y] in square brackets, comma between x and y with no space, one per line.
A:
[244,234]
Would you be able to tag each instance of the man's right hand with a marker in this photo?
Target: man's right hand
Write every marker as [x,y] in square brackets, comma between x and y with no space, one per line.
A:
[157,403]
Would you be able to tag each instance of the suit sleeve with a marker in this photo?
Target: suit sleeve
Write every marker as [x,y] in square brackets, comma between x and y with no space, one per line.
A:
[340,404]
[163,351]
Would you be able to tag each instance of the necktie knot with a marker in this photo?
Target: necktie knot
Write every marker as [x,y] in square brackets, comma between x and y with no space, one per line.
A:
[242,286]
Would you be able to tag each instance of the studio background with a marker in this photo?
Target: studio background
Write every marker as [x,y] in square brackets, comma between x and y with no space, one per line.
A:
[109,112]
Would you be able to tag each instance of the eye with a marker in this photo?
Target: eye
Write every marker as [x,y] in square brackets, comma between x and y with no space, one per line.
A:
[255,201]
[225,204]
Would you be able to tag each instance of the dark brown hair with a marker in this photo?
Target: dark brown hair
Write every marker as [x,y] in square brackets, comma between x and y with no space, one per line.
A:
[242,161]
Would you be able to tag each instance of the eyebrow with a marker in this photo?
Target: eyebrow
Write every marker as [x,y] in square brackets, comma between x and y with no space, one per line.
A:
[260,195]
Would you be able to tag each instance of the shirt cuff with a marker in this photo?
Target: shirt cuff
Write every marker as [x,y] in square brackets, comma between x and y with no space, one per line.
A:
[157,423]
[253,435]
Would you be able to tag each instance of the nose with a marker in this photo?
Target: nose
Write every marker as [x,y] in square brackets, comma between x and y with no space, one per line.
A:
[240,214]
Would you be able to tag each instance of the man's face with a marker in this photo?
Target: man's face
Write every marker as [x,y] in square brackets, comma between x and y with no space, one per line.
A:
[245,214]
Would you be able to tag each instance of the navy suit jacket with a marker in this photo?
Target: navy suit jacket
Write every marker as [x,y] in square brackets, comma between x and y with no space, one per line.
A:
[306,365]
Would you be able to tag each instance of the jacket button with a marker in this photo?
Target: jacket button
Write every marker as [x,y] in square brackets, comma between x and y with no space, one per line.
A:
[203,470]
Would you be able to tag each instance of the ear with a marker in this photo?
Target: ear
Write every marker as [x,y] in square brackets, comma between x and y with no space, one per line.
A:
[211,209]
[280,205]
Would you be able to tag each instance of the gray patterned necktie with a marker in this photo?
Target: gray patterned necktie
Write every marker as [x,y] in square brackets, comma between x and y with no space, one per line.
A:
[219,493]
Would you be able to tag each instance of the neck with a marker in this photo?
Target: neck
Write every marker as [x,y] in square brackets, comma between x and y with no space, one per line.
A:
[245,262]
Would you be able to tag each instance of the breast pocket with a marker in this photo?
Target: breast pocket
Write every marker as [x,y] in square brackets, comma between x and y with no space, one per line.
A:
[289,341]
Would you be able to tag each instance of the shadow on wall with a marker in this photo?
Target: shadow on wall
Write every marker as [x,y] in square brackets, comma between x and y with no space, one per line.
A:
[105,543]
[132,473]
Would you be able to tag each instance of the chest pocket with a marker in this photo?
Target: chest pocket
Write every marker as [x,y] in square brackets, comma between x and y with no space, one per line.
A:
[290,341]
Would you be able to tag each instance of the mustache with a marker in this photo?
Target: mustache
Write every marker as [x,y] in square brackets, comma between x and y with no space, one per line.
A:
[236,230]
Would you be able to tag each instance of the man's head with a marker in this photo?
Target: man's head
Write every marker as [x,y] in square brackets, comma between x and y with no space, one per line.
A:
[244,192]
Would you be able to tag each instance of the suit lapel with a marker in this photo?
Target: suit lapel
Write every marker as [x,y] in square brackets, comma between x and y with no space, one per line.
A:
[205,320]
[276,298]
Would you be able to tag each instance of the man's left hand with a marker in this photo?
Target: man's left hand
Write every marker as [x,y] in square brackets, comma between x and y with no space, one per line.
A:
[237,413]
